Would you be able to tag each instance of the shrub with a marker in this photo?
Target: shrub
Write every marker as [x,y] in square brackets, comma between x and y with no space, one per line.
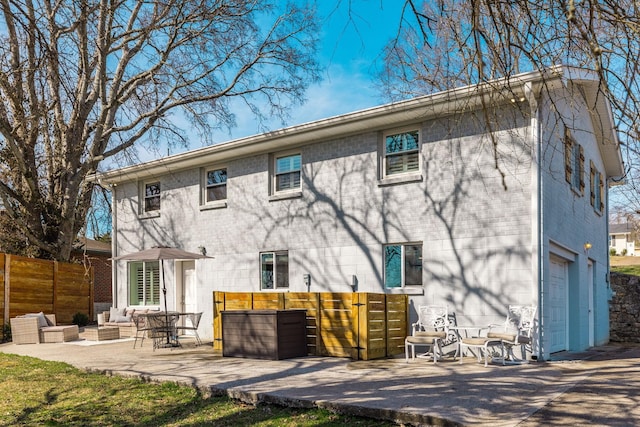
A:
[624,252]
[6,333]
[612,252]
[80,319]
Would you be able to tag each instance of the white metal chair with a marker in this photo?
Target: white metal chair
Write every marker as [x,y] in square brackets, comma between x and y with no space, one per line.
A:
[191,322]
[516,330]
[429,331]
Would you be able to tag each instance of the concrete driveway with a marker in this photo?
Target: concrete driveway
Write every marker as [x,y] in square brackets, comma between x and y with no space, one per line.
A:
[597,387]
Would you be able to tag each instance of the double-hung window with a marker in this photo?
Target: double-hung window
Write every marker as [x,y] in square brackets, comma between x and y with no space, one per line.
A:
[287,172]
[152,196]
[403,265]
[274,270]
[216,185]
[401,152]
[144,283]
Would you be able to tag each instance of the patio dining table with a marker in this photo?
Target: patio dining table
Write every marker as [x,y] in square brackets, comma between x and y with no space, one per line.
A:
[162,328]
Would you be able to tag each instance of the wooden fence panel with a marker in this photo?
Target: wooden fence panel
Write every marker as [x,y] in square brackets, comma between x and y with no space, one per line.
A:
[33,285]
[73,291]
[372,334]
[336,325]
[356,325]
[218,307]
[311,303]
[30,285]
[268,301]
[397,323]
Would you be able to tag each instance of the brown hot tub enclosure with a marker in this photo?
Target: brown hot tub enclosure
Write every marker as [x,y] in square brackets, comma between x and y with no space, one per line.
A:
[264,334]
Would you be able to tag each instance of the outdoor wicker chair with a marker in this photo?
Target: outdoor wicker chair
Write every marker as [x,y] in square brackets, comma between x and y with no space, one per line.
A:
[35,328]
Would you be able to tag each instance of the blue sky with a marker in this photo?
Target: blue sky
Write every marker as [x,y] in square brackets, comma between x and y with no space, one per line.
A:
[350,53]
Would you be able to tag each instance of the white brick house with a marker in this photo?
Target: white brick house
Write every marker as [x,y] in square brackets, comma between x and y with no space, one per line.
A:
[622,239]
[405,197]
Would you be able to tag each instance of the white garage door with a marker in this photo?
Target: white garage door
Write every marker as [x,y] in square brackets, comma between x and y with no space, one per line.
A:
[557,304]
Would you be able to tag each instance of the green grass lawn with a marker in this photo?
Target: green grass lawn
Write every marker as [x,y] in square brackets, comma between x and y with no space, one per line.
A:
[37,392]
[633,270]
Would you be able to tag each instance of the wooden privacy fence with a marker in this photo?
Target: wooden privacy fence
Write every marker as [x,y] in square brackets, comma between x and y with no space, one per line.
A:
[361,326]
[29,285]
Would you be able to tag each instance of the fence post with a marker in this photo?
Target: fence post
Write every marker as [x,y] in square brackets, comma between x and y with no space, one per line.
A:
[5,272]
[218,307]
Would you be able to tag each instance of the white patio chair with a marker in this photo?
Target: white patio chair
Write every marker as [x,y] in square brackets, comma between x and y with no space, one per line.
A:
[516,330]
[429,331]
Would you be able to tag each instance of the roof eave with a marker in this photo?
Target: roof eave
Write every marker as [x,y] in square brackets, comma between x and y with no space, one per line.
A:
[371,119]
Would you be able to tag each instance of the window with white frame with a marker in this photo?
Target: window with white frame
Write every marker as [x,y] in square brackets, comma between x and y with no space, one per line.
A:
[403,265]
[274,270]
[151,196]
[401,152]
[216,185]
[144,283]
[287,172]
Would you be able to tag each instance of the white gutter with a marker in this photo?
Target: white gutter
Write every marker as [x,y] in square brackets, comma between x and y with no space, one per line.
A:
[537,207]
[114,247]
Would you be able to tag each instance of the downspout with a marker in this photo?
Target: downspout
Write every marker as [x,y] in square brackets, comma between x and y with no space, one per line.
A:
[114,246]
[537,207]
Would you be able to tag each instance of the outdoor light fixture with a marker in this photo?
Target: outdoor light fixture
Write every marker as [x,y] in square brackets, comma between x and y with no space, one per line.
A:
[587,246]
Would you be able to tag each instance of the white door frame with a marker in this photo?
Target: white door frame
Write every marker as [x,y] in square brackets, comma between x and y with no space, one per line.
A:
[591,294]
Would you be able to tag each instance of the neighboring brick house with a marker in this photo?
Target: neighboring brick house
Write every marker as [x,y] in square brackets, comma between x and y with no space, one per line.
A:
[97,255]
[622,238]
[417,197]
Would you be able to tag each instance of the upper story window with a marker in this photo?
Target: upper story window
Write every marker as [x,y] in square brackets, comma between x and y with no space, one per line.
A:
[216,185]
[401,152]
[574,163]
[274,270]
[287,172]
[152,196]
[403,265]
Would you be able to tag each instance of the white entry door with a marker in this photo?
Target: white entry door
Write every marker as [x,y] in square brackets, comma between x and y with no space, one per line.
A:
[189,301]
[557,304]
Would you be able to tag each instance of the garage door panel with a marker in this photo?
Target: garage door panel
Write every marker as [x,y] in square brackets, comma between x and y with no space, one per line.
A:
[557,304]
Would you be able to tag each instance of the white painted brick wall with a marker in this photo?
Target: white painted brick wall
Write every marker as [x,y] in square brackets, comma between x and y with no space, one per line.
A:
[476,233]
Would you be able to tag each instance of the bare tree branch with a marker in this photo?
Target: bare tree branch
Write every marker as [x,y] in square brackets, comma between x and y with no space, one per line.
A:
[83,80]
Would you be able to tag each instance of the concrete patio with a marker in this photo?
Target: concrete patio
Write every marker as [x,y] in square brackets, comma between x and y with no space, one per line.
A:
[598,387]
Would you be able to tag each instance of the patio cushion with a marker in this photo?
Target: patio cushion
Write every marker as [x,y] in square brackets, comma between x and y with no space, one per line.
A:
[42,320]
[502,336]
[475,340]
[120,319]
[421,339]
[114,312]
[433,334]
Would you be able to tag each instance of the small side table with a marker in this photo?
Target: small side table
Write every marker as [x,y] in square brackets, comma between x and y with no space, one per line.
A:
[102,333]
